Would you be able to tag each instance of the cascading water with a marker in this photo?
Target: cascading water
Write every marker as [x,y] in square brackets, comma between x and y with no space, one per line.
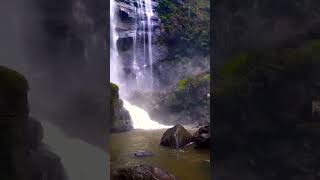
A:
[114,55]
[149,12]
[140,118]
[140,61]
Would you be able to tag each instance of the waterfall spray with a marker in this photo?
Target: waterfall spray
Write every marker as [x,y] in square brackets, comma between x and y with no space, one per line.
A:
[114,64]
[149,14]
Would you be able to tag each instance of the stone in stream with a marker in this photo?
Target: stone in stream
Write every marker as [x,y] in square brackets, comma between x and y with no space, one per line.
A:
[202,137]
[176,137]
[141,172]
[141,154]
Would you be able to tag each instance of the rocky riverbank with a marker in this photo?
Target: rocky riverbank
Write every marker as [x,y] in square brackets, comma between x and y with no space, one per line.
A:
[172,151]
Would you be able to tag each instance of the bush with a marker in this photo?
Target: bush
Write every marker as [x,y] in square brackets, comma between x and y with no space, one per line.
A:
[186,26]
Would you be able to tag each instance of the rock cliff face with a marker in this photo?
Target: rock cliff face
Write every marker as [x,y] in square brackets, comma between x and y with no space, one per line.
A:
[186,102]
[121,120]
[250,24]
[23,154]
[263,113]
[265,84]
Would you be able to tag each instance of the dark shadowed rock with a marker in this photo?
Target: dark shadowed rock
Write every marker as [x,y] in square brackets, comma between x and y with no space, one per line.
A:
[141,172]
[23,155]
[34,133]
[202,137]
[176,137]
[125,43]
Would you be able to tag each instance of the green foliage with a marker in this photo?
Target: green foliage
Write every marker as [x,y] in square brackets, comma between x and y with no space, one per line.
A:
[114,101]
[189,93]
[239,75]
[193,82]
[114,89]
[183,84]
[186,26]
[12,81]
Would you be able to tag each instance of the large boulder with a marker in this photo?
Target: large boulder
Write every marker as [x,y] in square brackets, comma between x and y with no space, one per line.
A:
[34,133]
[141,172]
[42,162]
[202,137]
[176,137]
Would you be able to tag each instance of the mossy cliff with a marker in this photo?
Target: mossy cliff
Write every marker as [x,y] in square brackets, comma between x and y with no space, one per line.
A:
[120,117]
[241,26]
[264,113]
[186,102]
[185,26]
[23,155]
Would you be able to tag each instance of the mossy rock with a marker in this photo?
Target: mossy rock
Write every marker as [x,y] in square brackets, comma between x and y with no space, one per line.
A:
[120,117]
[114,90]
[13,94]
[176,137]
[114,101]
[12,82]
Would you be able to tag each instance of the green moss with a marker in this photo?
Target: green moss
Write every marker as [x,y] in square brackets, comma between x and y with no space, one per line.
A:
[193,82]
[205,77]
[12,82]
[240,73]
[114,87]
[182,84]
[114,101]
[186,26]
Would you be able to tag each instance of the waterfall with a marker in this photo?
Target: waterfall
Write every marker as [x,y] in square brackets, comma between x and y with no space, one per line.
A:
[134,68]
[140,118]
[149,14]
[140,61]
[82,161]
[114,55]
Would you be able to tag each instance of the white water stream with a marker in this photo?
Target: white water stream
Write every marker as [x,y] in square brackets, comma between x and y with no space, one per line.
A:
[140,118]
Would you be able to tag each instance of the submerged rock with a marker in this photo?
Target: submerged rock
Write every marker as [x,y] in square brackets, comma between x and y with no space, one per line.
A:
[142,154]
[201,138]
[141,172]
[176,137]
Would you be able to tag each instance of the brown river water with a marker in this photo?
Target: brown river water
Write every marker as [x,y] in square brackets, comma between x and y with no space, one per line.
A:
[186,164]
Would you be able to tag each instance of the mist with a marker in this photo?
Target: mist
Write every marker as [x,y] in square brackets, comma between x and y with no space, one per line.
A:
[60,47]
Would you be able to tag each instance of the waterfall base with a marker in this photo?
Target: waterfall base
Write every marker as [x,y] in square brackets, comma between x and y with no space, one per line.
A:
[141,118]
